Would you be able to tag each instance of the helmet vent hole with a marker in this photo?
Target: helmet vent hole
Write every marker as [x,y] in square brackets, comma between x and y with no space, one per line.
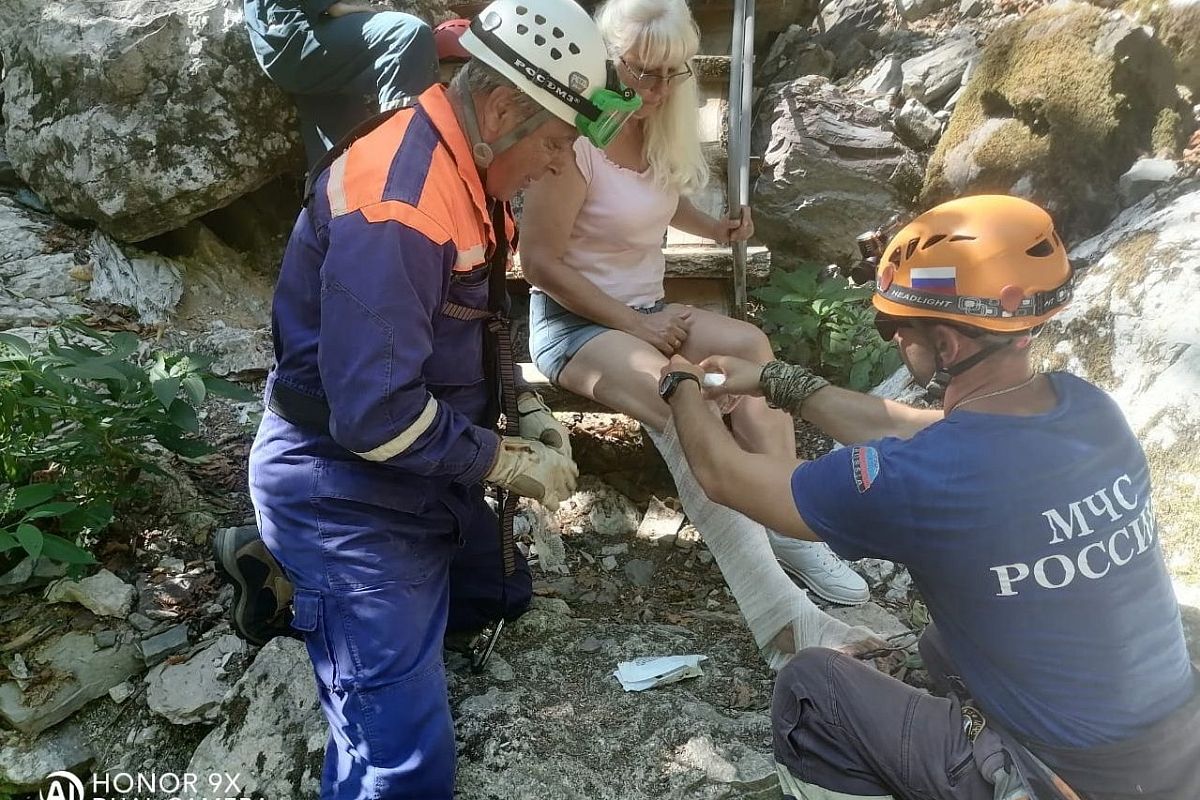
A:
[522,11]
[555,54]
[539,19]
[557,33]
[1041,249]
[522,29]
[894,258]
[961,238]
[539,40]
[911,248]
[574,48]
[932,240]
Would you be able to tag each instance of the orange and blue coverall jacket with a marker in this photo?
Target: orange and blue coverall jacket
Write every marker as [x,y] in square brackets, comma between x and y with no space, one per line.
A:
[396,226]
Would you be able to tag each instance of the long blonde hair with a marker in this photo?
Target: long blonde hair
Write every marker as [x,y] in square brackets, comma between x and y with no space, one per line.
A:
[662,32]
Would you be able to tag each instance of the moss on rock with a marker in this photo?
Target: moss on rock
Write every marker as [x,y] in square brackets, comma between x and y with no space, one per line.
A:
[1177,24]
[1060,105]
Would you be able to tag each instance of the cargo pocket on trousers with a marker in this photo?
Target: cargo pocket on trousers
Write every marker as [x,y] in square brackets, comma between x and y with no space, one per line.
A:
[309,619]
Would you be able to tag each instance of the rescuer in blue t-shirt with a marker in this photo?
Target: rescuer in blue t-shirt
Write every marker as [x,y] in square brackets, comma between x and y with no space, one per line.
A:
[1024,513]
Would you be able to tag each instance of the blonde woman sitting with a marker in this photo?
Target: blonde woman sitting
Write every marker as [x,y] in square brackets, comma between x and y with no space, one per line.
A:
[591,246]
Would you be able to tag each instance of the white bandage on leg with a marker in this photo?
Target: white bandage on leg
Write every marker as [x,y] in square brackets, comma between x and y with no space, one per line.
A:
[765,594]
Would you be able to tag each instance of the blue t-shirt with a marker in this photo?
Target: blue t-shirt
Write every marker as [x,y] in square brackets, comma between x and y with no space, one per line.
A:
[1033,541]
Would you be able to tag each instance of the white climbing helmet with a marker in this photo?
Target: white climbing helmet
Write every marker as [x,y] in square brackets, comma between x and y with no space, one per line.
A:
[553,52]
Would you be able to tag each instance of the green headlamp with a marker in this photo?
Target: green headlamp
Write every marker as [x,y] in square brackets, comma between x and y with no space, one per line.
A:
[614,105]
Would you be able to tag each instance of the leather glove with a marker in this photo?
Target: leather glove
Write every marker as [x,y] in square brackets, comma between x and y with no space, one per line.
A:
[533,469]
[537,422]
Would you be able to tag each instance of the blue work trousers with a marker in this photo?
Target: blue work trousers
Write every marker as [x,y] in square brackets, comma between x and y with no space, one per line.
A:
[382,563]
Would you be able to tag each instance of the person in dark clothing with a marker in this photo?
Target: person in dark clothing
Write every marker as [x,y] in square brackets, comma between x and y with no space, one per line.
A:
[343,63]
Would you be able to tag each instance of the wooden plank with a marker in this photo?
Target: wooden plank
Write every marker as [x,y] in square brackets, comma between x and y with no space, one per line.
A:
[696,261]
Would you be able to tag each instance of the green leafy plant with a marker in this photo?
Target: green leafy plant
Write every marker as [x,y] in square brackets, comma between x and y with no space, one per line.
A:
[826,324]
[81,419]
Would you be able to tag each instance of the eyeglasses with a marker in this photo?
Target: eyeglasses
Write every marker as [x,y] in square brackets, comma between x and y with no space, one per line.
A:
[887,325]
[652,80]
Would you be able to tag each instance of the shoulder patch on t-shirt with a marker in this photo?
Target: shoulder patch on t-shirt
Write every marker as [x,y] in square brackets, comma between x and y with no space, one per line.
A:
[865,463]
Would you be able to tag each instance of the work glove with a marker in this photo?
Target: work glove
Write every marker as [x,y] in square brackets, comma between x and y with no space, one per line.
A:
[533,469]
[537,422]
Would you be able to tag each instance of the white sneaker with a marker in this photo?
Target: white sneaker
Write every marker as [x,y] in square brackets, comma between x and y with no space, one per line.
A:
[820,570]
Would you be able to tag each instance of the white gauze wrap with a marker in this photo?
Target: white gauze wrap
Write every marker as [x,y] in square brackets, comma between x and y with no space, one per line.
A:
[765,594]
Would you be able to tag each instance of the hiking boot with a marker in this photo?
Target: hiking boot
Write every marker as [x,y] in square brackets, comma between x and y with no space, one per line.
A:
[826,575]
[262,596]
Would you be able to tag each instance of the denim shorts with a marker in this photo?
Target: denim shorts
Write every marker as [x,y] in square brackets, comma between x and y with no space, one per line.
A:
[556,334]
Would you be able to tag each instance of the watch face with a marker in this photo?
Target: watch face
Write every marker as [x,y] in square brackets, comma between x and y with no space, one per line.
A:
[664,385]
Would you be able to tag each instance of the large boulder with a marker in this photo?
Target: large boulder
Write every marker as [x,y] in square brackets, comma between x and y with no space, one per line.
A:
[140,116]
[831,169]
[1058,107]
[1133,330]
[1177,24]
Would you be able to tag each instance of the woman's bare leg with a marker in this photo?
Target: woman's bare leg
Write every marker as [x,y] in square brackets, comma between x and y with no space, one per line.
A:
[621,372]
[757,427]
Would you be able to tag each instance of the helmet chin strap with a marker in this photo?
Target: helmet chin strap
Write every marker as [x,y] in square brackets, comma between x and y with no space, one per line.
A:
[942,374]
[483,152]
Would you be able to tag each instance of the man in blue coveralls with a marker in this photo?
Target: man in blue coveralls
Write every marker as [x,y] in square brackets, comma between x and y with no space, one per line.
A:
[367,472]
[1024,513]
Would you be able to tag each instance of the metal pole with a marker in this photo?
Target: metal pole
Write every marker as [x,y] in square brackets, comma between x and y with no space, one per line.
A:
[741,95]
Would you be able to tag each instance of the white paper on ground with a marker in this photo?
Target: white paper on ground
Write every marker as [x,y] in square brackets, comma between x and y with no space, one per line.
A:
[648,672]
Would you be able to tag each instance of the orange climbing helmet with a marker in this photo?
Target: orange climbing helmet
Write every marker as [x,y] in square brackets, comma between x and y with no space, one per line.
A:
[993,262]
[446,37]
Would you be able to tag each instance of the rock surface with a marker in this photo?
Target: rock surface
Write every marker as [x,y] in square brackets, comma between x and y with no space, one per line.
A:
[794,55]
[147,283]
[671,742]
[1132,330]
[1146,175]
[40,267]
[104,594]
[25,762]
[160,646]
[1020,128]
[81,673]
[598,507]
[140,116]
[191,692]
[918,123]
[271,728]
[913,10]
[830,170]
[1177,24]
[933,77]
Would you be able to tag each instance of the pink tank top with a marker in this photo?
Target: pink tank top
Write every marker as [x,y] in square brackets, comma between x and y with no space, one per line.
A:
[618,236]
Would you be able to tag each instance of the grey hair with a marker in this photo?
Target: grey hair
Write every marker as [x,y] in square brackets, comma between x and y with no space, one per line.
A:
[477,78]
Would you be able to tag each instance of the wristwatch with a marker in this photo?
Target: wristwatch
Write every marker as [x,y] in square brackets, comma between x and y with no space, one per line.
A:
[670,382]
